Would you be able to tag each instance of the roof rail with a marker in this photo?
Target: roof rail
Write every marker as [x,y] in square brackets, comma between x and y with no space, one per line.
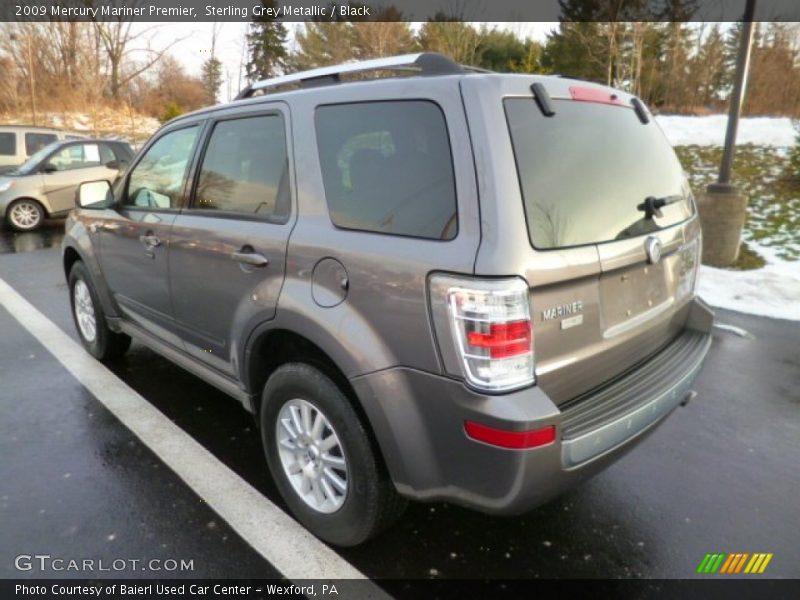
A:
[423,63]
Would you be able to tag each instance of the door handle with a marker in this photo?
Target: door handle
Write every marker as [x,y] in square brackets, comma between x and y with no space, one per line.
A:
[150,241]
[253,259]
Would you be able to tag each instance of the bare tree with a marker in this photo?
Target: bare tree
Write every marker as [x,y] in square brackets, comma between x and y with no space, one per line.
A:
[117,38]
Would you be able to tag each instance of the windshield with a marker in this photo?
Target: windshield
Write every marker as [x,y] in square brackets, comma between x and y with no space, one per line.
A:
[30,165]
[586,173]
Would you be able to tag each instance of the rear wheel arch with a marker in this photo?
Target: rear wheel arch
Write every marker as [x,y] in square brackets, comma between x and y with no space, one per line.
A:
[270,349]
[273,348]
[43,205]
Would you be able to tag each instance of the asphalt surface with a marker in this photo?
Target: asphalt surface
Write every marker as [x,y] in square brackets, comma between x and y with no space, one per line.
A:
[721,475]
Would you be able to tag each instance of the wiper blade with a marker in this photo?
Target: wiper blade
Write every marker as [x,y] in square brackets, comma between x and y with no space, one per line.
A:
[652,206]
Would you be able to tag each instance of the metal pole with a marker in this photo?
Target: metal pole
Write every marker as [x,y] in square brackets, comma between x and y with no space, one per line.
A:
[723,184]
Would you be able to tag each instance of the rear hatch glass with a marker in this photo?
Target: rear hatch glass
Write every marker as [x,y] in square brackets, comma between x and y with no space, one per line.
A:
[593,176]
[584,171]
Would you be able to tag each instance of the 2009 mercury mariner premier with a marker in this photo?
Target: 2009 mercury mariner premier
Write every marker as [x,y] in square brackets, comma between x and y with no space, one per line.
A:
[445,284]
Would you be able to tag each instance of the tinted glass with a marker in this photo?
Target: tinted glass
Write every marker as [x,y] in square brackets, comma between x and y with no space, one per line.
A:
[245,168]
[387,167]
[8,143]
[157,180]
[584,171]
[36,141]
[81,156]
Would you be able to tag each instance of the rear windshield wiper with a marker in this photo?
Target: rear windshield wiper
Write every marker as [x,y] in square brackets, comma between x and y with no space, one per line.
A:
[652,206]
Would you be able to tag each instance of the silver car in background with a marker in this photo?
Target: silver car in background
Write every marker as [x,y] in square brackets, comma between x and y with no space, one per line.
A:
[44,185]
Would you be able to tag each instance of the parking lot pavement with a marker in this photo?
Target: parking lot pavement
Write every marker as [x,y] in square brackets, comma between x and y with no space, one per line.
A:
[720,476]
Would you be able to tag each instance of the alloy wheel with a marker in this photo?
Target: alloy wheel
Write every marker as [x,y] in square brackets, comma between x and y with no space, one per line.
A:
[311,455]
[25,215]
[84,311]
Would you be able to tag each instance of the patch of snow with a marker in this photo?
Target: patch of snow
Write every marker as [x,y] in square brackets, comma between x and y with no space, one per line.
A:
[772,291]
[710,130]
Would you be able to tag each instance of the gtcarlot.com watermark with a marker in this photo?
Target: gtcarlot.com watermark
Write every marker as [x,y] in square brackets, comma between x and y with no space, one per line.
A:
[47,563]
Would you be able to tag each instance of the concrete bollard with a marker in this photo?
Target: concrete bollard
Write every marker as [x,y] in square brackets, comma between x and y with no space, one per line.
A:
[722,216]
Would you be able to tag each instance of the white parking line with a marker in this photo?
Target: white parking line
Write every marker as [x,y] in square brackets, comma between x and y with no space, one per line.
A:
[734,330]
[272,533]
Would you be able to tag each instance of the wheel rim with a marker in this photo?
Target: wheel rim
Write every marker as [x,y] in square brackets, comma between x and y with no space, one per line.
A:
[312,456]
[84,311]
[25,215]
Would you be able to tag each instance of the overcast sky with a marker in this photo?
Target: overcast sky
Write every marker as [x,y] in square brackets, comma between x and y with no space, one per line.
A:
[195,45]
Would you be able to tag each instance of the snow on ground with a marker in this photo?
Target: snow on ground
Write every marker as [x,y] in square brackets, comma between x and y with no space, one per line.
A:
[772,291]
[710,130]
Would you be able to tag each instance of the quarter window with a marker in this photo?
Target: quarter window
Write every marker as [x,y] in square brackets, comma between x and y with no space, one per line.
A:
[157,180]
[8,144]
[245,169]
[36,141]
[387,167]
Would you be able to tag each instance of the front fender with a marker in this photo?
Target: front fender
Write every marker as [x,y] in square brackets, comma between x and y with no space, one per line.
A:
[78,244]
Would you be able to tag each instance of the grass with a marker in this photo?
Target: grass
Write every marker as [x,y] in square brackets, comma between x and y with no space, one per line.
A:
[765,175]
[748,259]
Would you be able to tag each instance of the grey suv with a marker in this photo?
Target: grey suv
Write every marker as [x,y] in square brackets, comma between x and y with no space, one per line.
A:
[450,285]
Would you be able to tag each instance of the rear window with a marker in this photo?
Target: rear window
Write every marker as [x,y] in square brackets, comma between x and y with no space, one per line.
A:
[387,168]
[584,171]
[36,141]
[8,143]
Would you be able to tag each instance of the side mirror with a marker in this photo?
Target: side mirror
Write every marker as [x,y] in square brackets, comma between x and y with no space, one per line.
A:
[94,194]
[49,168]
[112,164]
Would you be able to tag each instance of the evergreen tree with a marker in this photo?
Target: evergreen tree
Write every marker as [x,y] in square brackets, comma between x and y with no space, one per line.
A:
[452,37]
[321,43]
[211,75]
[266,47]
[505,52]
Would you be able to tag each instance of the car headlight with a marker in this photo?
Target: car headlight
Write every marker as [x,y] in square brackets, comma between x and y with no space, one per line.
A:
[6,185]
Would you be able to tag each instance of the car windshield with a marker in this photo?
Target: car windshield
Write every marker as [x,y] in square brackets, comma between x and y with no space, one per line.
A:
[594,173]
[30,165]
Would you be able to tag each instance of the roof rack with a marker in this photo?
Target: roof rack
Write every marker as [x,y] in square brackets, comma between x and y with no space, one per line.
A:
[422,63]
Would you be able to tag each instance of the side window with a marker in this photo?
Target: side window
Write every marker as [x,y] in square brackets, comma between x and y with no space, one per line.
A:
[157,180]
[387,167]
[79,156]
[8,143]
[36,141]
[245,169]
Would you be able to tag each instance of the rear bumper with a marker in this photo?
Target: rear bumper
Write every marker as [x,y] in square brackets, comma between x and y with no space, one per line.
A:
[419,418]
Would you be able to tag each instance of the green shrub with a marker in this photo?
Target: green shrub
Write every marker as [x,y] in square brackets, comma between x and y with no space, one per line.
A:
[171,110]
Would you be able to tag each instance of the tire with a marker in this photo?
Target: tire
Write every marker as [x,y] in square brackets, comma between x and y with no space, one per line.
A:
[369,502]
[90,321]
[25,215]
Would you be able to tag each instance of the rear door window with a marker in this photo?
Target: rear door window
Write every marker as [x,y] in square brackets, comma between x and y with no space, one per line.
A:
[586,172]
[387,167]
[245,169]
[36,141]
[8,143]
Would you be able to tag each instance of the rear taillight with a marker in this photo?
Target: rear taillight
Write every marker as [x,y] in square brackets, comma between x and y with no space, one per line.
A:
[490,325]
